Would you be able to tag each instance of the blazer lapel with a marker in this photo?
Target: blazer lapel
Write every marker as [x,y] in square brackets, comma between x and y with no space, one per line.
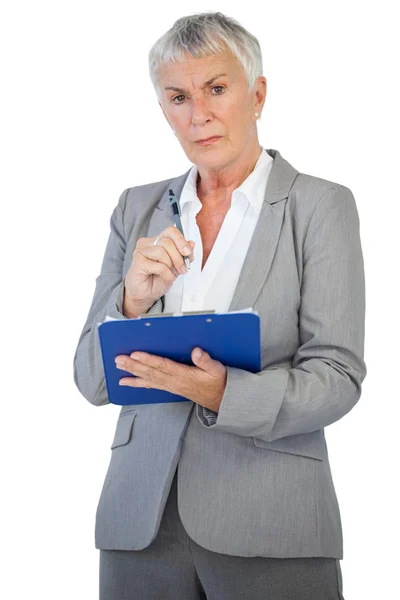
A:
[162,214]
[266,234]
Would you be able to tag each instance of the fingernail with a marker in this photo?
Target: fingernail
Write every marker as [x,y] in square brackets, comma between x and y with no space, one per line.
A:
[186,250]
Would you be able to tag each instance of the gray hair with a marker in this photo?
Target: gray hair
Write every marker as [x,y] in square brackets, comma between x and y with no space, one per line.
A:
[206,34]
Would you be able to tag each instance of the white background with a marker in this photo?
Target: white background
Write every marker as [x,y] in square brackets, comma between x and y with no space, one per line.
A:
[80,123]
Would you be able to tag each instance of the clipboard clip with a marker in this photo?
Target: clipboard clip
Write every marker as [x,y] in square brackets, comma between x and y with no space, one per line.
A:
[179,314]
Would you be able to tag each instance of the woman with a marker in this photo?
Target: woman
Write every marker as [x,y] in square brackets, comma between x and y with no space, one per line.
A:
[245,457]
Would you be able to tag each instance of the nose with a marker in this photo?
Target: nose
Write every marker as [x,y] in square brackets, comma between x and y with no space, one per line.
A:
[200,111]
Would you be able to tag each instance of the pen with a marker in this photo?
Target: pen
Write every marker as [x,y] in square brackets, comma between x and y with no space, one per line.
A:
[177,218]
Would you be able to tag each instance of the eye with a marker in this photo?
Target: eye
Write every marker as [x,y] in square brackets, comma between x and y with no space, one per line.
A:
[221,87]
[180,96]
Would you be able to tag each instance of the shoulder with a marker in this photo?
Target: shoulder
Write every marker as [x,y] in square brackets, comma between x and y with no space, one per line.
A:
[314,199]
[309,191]
[302,191]
[310,188]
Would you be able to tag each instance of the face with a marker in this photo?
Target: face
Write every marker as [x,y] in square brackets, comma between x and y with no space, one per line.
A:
[207,97]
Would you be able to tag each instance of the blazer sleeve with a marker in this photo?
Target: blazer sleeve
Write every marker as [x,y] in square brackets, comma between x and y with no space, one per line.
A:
[328,368]
[107,300]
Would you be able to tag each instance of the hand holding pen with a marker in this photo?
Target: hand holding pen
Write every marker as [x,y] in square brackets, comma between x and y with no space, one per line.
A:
[156,264]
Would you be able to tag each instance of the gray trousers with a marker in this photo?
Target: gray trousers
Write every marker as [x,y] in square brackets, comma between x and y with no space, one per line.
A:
[174,567]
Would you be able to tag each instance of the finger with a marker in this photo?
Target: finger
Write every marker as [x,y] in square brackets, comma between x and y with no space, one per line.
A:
[152,263]
[168,246]
[140,369]
[163,369]
[179,240]
[144,360]
[158,253]
[141,383]
[150,371]
[192,245]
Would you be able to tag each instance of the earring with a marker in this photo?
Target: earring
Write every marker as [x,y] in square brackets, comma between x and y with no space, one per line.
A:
[256,114]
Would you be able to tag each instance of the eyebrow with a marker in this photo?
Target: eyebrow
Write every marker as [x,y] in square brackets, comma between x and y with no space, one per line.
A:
[209,82]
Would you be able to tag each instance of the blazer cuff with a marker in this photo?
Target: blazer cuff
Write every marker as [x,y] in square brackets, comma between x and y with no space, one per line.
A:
[247,397]
[157,308]
[117,301]
[207,417]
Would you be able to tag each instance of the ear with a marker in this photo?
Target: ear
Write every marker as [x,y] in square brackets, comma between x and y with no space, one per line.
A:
[260,93]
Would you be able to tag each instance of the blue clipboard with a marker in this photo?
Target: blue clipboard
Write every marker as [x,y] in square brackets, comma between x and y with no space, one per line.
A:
[233,338]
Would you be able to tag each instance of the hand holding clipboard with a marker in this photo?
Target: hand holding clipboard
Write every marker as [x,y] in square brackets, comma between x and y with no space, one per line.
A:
[232,338]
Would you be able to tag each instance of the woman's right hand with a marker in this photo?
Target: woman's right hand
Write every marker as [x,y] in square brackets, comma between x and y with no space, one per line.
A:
[155,268]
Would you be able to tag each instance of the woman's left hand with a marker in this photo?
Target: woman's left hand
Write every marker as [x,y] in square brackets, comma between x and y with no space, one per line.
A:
[204,383]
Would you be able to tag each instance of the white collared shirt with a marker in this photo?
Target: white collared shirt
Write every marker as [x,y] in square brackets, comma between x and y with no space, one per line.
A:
[213,287]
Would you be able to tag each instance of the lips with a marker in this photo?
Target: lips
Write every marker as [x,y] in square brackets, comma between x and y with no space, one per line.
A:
[210,139]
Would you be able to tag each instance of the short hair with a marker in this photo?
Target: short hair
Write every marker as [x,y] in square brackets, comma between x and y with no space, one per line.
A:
[206,34]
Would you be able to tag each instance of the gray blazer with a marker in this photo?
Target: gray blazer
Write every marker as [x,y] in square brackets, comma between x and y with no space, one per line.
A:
[255,481]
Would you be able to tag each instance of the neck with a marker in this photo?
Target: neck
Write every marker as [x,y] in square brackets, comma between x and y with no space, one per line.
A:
[215,186]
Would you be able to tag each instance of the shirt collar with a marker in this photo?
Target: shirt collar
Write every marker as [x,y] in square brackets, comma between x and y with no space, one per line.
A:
[253,187]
